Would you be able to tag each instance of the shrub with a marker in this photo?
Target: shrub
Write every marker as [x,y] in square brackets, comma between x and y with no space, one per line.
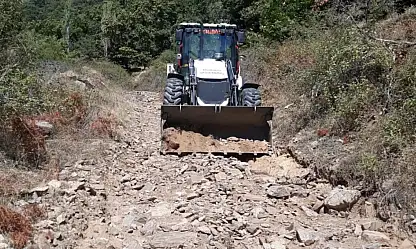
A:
[113,73]
[401,125]
[40,47]
[154,78]
[16,225]
[349,79]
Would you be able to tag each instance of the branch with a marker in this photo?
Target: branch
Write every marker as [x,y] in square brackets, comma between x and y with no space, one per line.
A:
[379,39]
[6,70]
[393,41]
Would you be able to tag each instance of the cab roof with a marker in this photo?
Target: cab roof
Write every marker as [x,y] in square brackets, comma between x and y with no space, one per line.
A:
[207,25]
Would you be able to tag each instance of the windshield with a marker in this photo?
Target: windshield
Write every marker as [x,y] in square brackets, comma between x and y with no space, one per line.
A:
[213,43]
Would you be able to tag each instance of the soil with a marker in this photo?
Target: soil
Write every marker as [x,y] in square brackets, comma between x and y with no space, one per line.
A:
[124,194]
[187,141]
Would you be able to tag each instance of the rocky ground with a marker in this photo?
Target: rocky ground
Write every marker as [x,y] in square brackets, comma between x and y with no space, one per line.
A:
[129,196]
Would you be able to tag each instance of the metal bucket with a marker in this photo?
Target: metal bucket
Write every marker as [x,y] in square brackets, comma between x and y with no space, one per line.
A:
[235,123]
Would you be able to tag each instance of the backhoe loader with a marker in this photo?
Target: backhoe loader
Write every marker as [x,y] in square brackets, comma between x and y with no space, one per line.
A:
[206,94]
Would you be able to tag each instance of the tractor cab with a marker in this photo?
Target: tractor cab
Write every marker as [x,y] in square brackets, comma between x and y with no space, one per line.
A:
[209,43]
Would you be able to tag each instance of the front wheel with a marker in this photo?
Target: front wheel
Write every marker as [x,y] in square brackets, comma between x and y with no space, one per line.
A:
[173,92]
[250,97]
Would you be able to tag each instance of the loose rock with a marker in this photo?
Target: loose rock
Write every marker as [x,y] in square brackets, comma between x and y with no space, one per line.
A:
[306,236]
[309,212]
[407,244]
[342,199]
[172,239]
[55,184]
[220,177]
[278,191]
[39,190]
[46,127]
[162,209]
[374,236]
[204,229]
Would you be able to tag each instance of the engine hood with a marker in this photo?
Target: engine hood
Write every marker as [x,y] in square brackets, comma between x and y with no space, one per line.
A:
[210,69]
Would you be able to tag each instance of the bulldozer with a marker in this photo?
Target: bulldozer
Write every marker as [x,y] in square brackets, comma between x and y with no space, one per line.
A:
[206,94]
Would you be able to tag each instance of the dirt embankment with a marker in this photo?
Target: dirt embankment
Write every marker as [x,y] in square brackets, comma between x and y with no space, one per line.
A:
[187,141]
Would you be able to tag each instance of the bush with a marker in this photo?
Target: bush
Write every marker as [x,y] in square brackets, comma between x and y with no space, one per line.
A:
[40,47]
[403,100]
[113,73]
[349,79]
[23,98]
[17,226]
[154,78]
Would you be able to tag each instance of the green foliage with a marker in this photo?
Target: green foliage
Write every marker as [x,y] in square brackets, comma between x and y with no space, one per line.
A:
[338,77]
[369,164]
[167,56]
[400,127]
[43,47]
[133,33]
[350,76]
[10,19]
[277,19]
[114,73]
[20,94]
[154,77]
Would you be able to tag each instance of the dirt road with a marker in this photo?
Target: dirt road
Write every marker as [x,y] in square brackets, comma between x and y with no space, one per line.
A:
[129,196]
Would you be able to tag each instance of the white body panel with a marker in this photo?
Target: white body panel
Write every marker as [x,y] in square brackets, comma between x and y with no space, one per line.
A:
[200,102]
[210,69]
[239,79]
[170,68]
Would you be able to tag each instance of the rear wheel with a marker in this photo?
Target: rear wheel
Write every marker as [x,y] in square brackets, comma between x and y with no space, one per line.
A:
[250,97]
[173,92]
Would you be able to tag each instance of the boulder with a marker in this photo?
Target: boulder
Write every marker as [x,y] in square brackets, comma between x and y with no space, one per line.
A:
[342,199]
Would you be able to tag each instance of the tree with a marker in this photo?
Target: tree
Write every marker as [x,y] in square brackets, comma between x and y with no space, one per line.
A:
[276,18]
[10,20]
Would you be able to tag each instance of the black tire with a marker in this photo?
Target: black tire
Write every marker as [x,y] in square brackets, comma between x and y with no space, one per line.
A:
[173,92]
[250,97]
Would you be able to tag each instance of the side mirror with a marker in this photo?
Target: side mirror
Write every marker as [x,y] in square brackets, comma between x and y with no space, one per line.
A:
[178,36]
[241,37]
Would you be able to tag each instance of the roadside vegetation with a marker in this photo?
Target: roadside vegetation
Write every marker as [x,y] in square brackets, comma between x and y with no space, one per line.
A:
[348,84]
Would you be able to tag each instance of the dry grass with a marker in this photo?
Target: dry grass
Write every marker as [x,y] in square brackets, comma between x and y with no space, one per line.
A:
[12,181]
[34,212]
[399,28]
[77,114]
[16,225]
[154,77]
[106,111]
[403,176]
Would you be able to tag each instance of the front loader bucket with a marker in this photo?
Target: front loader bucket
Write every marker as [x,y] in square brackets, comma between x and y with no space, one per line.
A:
[217,130]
